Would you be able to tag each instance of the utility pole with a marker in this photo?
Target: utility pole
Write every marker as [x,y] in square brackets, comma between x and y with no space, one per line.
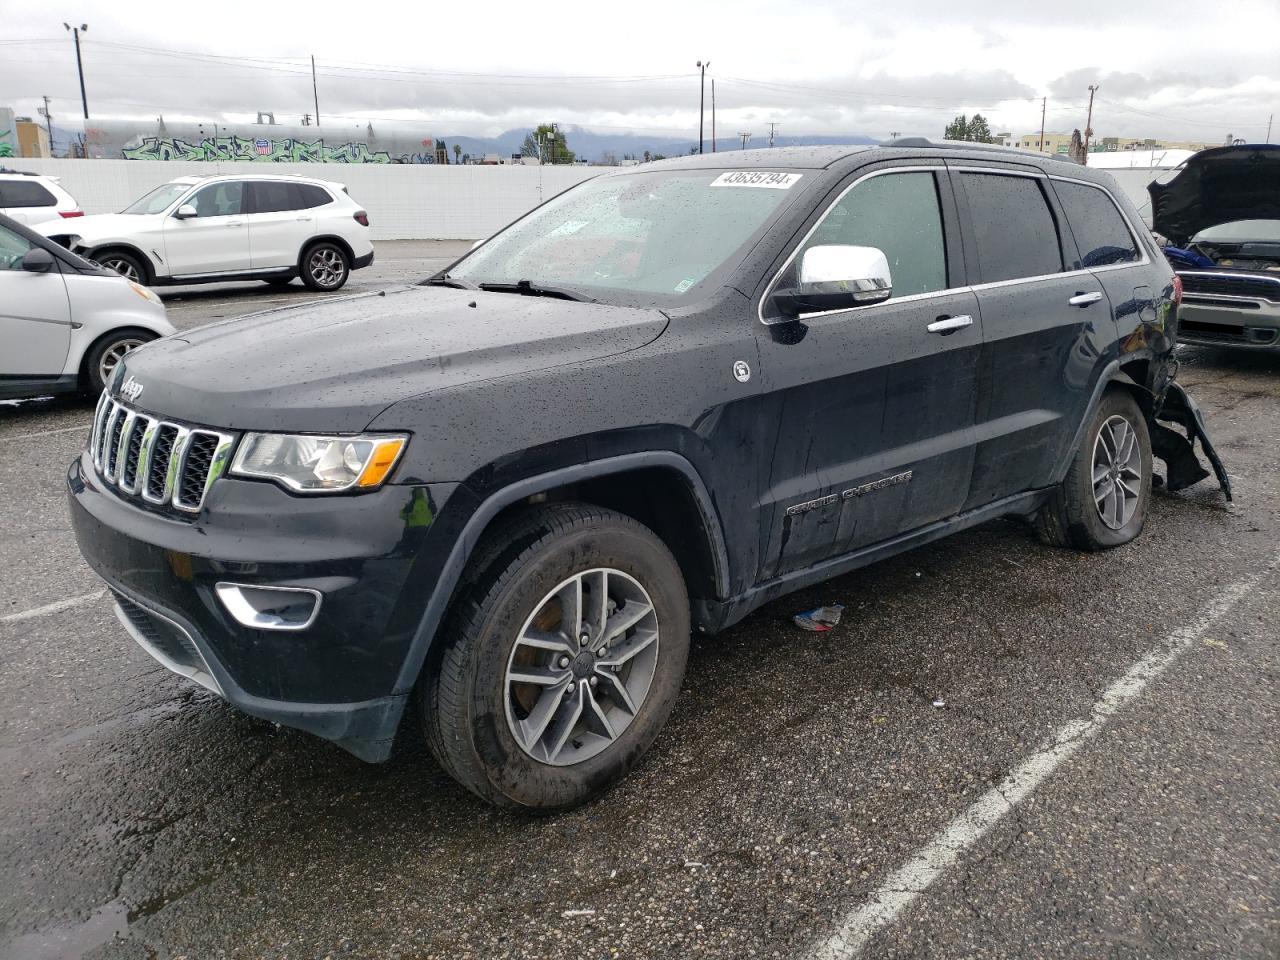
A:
[315,91]
[49,126]
[894,135]
[1269,119]
[702,99]
[1088,124]
[75,32]
[1044,102]
[772,128]
[745,137]
[713,114]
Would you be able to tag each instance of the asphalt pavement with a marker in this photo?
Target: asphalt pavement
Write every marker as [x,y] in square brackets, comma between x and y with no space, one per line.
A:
[972,724]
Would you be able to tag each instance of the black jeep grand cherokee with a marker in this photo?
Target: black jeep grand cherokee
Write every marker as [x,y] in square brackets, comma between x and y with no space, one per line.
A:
[505,496]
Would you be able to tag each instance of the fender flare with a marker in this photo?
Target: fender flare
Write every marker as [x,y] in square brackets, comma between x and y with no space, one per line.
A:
[127,247]
[1176,451]
[477,523]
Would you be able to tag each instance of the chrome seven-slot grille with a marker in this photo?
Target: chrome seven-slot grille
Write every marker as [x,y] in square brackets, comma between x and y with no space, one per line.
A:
[166,464]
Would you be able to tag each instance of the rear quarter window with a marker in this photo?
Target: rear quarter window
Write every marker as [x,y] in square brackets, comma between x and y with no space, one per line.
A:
[1101,233]
[312,196]
[25,193]
[1012,227]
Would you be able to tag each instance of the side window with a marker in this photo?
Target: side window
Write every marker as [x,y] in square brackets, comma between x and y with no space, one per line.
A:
[312,196]
[1013,227]
[899,213]
[272,196]
[12,249]
[1099,229]
[25,193]
[219,199]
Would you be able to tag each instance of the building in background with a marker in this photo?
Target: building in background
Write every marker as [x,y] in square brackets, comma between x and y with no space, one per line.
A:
[1121,144]
[1053,142]
[33,138]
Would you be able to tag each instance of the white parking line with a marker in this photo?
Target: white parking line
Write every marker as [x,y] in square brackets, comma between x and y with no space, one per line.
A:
[47,433]
[51,607]
[914,877]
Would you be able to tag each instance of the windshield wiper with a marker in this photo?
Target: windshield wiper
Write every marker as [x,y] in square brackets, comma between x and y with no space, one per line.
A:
[448,281]
[527,288]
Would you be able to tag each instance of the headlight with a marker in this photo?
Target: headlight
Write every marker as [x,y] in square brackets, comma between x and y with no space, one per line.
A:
[145,293]
[310,464]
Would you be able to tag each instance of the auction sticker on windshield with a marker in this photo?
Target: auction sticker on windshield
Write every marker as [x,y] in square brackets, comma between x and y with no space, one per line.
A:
[757,178]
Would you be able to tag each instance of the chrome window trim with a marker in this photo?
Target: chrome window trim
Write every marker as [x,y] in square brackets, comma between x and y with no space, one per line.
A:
[1133,233]
[935,167]
[971,288]
[1221,274]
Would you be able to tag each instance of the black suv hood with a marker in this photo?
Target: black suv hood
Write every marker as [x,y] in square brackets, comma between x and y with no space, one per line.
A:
[1218,186]
[333,366]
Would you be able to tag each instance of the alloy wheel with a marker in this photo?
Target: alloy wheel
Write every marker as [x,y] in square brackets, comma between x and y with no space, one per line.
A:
[1117,472]
[114,353]
[126,268]
[326,267]
[581,667]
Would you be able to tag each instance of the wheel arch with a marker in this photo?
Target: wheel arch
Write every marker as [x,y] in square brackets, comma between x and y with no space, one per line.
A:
[1128,376]
[615,483]
[83,367]
[125,247]
[325,238]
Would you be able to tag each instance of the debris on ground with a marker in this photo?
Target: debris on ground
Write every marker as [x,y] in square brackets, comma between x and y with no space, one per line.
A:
[820,619]
[578,913]
[939,703]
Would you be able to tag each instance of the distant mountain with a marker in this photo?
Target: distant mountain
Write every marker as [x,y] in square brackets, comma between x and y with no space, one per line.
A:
[595,147]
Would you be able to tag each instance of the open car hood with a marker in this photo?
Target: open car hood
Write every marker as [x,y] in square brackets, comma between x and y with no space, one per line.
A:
[1218,186]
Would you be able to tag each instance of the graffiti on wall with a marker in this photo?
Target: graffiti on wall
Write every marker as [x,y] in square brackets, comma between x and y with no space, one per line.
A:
[255,150]
[6,144]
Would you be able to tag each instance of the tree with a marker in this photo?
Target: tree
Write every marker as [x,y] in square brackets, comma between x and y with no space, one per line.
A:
[975,130]
[978,130]
[647,158]
[546,141]
[457,153]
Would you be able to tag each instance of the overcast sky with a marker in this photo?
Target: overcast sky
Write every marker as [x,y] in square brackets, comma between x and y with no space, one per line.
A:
[478,68]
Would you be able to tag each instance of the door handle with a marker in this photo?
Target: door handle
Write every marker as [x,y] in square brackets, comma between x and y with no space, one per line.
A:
[949,325]
[236,223]
[304,219]
[1084,299]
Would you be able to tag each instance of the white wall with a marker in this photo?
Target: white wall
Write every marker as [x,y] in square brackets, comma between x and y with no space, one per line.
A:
[405,201]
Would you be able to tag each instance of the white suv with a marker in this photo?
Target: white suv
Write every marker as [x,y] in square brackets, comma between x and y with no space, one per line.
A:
[232,227]
[31,198]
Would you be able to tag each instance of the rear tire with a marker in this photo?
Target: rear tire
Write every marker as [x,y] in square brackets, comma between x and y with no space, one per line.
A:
[601,701]
[325,266]
[107,352]
[1102,502]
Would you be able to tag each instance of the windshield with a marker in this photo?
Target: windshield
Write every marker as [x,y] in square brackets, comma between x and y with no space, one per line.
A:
[158,200]
[643,237]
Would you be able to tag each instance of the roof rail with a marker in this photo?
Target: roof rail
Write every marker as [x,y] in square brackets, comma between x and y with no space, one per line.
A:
[959,145]
[20,173]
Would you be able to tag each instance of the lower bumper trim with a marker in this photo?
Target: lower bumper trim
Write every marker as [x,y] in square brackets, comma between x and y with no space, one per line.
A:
[167,641]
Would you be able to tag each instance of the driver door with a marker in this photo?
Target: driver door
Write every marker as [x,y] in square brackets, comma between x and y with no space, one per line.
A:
[874,405]
[216,239]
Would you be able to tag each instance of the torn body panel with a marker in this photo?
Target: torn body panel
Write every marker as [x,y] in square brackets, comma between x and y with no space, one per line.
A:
[1178,451]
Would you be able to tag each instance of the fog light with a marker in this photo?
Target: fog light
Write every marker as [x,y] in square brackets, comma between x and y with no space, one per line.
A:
[270,608]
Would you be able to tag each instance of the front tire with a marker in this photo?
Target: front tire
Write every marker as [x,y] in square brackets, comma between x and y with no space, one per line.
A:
[561,659]
[126,264]
[105,355]
[325,266]
[1102,502]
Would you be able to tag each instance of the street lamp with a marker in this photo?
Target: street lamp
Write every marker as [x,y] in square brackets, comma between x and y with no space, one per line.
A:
[75,32]
[702,99]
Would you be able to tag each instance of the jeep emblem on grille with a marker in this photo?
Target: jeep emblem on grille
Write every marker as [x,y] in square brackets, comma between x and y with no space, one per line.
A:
[132,389]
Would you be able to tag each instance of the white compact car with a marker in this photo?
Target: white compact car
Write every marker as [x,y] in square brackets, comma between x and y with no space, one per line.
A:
[65,323]
[31,198]
[229,227]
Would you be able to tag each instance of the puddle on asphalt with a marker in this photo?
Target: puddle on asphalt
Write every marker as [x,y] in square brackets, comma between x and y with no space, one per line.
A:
[155,712]
[69,941]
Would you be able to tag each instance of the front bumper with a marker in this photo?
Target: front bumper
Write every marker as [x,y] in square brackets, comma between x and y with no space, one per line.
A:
[1225,309]
[341,677]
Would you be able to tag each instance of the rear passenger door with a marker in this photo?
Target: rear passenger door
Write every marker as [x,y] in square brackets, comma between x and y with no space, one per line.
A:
[874,409]
[1044,328]
[1107,247]
[281,222]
